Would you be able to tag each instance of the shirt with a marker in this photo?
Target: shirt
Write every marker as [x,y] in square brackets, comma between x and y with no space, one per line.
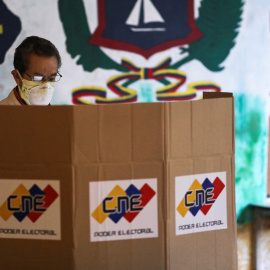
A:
[13,98]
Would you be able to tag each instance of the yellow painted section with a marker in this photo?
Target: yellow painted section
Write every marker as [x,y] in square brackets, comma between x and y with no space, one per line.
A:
[98,214]
[19,191]
[1,29]
[182,209]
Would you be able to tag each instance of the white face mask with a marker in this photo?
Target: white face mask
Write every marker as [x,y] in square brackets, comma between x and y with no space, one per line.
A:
[36,93]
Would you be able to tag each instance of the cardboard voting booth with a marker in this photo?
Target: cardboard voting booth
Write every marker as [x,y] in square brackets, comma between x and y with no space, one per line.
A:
[125,186]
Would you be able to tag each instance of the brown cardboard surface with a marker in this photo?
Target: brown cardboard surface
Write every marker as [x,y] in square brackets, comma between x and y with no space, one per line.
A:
[210,149]
[44,133]
[196,248]
[41,254]
[120,160]
[82,144]
[207,95]
[148,131]
[205,128]
[124,254]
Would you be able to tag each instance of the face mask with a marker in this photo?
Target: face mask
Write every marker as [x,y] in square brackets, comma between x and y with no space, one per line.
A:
[36,93]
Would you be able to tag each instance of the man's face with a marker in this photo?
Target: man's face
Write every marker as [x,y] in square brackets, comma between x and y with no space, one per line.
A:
[38,66]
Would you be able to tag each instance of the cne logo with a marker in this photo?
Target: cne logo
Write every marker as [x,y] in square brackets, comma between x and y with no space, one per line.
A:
[120,203]
[200,197]
[30,203]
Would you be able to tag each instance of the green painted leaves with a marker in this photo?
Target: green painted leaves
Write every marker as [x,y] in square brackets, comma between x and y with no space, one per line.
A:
[218,21]
[76,28]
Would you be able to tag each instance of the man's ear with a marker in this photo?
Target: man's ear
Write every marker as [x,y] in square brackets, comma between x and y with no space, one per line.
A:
[16,77]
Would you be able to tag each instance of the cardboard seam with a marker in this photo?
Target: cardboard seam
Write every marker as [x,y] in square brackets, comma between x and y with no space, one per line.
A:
[201,156]
[166,186]
[132,132]
[192,158]
[74,206]
[99,153]
[78,149]
[234,210]
[191,127]
[131,164]
[205,118]
[216,264]
[35,165]
[233,128]
[233,180]
[75,244]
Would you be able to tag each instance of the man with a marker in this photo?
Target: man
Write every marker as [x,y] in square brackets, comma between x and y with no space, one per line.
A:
[36,63]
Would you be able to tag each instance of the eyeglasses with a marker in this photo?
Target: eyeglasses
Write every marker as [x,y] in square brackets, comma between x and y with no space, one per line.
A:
[53,78]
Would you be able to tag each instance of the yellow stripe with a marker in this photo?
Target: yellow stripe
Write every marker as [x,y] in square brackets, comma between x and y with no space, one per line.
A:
[200,84]
[1,29]
[162,62]
[182,209]
[98,214]
[19,191]
[142,73]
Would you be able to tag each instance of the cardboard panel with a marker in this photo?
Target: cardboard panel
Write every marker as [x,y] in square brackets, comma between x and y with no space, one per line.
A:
[179,129]
[104,157]
[148,131]
[202,127]
[204,250]
[219,128]
[119,254]
[43,132]
[86,148]
[115,125]
[212,127]
[41,254]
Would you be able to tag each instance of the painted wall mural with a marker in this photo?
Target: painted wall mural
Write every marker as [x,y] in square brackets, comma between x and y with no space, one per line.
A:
[10,27]
[156,51]
[145,29]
